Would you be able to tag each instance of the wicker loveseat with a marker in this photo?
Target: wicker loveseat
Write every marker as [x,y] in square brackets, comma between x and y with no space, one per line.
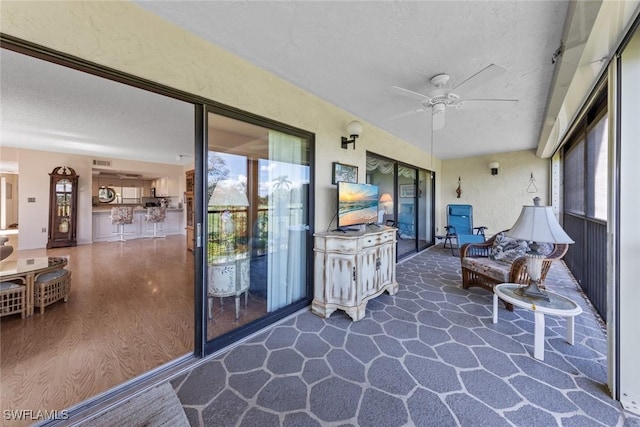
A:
[479,268]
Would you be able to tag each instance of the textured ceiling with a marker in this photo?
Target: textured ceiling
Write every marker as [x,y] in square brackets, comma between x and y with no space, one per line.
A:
[352,53]
[49,107]
[348,53]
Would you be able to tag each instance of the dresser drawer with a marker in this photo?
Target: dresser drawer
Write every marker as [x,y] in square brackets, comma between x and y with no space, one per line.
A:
[341,245]
[376,239]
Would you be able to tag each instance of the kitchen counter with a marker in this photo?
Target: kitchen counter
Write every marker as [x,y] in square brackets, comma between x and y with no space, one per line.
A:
[104,231]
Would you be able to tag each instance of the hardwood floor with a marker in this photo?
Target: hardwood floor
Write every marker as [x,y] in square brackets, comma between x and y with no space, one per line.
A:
[130,310]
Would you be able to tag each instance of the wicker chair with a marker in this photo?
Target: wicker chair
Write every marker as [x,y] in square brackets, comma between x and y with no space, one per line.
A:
[51,287]
[480,270]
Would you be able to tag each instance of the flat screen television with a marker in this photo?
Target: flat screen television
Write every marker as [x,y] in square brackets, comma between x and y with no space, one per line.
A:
[357,204]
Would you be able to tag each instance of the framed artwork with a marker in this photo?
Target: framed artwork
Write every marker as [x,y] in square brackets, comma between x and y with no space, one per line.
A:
[346,173]
[407,190]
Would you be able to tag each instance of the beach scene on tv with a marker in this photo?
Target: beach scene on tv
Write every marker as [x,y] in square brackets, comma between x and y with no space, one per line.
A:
[357,204]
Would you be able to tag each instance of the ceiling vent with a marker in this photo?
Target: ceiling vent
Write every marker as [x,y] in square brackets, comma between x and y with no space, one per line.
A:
[102,163]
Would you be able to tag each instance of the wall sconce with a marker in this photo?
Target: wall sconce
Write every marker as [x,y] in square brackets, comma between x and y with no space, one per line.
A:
[354,129]
[494,167]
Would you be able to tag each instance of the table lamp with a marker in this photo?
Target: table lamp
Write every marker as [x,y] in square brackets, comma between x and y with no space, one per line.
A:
[226,195]
[536,224]
[386,200]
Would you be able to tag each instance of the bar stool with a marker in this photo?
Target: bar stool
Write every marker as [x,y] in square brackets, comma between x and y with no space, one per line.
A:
[155,215]
[121,216]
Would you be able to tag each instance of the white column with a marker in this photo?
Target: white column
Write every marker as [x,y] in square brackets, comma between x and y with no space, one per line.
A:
[626,252]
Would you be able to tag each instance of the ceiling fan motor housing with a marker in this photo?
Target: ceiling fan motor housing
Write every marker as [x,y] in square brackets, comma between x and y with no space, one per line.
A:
[438,108]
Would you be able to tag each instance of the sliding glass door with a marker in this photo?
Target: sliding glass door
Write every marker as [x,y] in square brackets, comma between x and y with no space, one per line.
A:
[406,202]
[425,197]
[257,223]
[407,210]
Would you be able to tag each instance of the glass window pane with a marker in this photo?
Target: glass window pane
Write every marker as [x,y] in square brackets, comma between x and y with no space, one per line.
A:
[597,159]
[574,179]
[257,222]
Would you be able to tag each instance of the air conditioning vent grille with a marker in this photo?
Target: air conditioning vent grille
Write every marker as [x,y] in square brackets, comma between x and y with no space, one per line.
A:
[105,163]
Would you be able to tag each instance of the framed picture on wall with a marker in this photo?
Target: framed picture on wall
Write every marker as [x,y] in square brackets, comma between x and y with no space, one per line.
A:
[346,173]
[407,190]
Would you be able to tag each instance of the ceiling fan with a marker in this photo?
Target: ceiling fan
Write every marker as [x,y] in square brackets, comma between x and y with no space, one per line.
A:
[442,96]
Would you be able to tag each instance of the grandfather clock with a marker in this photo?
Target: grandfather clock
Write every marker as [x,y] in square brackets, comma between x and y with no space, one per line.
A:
[63,203]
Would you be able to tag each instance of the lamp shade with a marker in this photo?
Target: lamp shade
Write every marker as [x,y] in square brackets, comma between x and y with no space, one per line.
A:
[386,197]
[538,224]
[227,193]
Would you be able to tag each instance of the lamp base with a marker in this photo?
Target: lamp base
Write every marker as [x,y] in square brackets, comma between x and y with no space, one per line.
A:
[532,291]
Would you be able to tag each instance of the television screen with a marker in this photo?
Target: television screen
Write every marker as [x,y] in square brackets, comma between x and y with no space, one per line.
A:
[357,204]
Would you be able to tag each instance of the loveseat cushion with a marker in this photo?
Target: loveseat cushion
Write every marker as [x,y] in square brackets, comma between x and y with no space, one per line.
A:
[497,270]
[507,249]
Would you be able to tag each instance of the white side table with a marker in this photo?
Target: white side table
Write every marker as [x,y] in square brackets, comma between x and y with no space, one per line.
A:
[557,306]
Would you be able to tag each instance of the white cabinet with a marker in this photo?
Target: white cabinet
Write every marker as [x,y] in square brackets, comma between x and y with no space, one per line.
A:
[351,268]
[173,184]
[173,222]
[167,186]
[110,182]
[102,228]
[146,188]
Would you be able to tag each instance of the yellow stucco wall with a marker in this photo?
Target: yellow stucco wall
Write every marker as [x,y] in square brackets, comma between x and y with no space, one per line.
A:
[496,199]
[125,37]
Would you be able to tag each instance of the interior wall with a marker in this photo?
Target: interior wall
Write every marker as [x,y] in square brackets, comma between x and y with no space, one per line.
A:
[12,197]
[125,37]
[35,167]
[496,199]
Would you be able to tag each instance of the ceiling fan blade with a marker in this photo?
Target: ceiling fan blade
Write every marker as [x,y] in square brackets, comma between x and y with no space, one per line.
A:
[409,93]
[487,103]
[438,120]
[408,113]
[479,78]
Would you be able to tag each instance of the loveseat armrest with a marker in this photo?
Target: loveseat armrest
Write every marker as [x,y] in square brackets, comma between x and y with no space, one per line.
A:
[559,250]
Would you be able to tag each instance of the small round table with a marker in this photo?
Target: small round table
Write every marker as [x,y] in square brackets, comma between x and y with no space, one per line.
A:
[556,306]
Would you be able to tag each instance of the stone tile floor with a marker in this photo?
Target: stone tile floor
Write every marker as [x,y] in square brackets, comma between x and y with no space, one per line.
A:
[428,356]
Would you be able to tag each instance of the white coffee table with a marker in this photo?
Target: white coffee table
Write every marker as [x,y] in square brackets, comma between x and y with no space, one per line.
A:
[557,306]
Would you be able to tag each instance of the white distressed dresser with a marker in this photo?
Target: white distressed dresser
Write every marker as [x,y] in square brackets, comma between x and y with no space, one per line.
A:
[351,268]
